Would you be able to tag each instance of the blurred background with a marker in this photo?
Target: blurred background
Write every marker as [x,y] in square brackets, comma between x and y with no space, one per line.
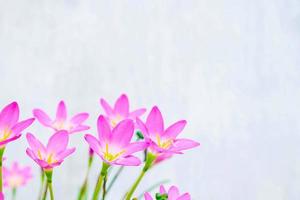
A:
[230,68]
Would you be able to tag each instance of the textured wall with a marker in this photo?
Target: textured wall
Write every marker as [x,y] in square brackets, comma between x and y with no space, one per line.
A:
[231,68]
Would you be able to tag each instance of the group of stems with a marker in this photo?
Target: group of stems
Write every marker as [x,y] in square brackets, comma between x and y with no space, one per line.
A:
[48,186]
[83,189]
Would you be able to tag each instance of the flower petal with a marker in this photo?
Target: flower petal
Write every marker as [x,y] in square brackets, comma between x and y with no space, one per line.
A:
[106,107]
[9,115]
[122,106]
[128,161]
[148,196]
[35,144]
[4,142]
[64,154]
[173,193]
[61,112]
[183,144]
[135,147]
[137,113]
[104,131]
[122,133]
[42,117]
[162,190]
[174,129]
[154,122]
[93,143]
[58,142]
[185,196]
[79,118]
[79,128]
[142,127]
[20,126]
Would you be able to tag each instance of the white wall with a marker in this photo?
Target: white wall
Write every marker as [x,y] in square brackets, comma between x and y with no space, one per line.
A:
[231,68]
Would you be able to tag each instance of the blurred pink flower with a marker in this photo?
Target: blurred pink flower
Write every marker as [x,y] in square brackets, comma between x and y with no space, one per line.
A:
[10,128]
[164,140]
[16,176]
[172,194]
[51,155]
[120,111]
[113,146]
[1,196]
[61,122]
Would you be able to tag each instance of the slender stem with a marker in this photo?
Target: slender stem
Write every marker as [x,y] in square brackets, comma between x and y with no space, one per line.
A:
[45,192]
[150,158]
[104,187]
[102,174]
[84,187]
[50,190]
[114,178]
[1,160]
[13,193]
[42,184]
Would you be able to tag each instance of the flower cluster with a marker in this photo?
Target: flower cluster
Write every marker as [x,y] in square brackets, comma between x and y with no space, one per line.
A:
[121,135]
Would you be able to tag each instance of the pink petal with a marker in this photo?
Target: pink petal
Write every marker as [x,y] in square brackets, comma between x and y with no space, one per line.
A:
[122,106]
[148,196]
[173,193]
[4,142]
[79,128]
[137,113]
[174,129]
[142,127]
[135,147]
[35,144]
[31,154]
[108,110]
[58,142]
[185,196]
[122,133]
[183,144]
[104,131]
[42,117]
[79,118]
[93,143]
[61,112]
[162,190]
[20,126]
[154,122]
[65,153]
[9,115]
[128,161]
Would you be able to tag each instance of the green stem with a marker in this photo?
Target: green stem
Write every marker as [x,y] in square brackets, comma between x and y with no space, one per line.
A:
[104,187]
[1,161]
[84,187]
[48,174]
[42,184]
[45,192]
[102,174]
[51,190]
[150,158]
[14,193]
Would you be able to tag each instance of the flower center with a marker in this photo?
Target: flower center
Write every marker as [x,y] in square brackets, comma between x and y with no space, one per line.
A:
[110,156]
[15,181]
[51,158]
[114,121]
[5,134]
[62,125]
[164,144]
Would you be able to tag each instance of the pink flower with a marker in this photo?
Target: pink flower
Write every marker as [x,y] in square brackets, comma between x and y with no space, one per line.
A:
[120,111]
[51,155]
[61,122]
[162,157]
[16,176]
[114,146]
[172,194]
[10,128]
[1,196]
[164,140]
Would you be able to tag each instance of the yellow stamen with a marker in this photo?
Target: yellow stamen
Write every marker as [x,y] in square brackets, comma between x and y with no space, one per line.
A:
[5,134]
[163,144]
[111,157]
